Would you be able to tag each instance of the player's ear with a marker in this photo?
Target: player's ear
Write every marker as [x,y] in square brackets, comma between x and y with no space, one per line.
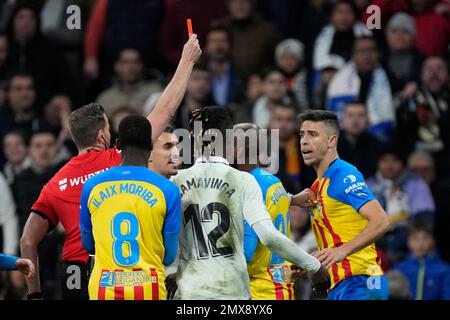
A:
[332,141]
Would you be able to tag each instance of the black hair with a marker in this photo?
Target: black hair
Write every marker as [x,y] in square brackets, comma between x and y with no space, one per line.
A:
[85,123]
[135,131]
[421,226]
[31,5]
[19,74]
[327,117]
[350,3]
[223,29]
[169,129]
[364,38]
[118,55]
[21,133]
[42,131]
[212,118]
[267,71]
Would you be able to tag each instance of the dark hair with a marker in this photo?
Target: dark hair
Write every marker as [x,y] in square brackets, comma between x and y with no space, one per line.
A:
[20,74]
[40,132]
[118,55]
[421,226]
[169,129]
[211,118]
[364,38]
[85,123]
[201,65]
[135,131]
[346,2]
[327,117]
[267,71]
[18,132]
[223,29]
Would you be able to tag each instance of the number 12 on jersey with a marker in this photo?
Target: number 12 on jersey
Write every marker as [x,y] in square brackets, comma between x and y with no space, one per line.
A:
[191,214]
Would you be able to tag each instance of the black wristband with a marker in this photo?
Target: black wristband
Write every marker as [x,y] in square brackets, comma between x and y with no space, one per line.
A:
[34,296]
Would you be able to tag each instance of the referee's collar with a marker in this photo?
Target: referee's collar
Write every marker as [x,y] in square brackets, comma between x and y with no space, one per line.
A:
[212,159]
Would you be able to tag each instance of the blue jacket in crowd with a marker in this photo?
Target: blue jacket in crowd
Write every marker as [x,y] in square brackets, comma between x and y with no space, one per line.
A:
[429,277]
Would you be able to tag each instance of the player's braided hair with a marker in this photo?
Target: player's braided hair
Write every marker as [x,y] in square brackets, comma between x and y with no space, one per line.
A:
[210,118]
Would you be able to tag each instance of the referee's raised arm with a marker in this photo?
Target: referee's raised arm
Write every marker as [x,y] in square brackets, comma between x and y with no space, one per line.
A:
[173,94]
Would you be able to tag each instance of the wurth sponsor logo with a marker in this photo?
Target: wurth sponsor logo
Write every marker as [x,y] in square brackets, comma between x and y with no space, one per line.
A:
[63,184]
[73,182]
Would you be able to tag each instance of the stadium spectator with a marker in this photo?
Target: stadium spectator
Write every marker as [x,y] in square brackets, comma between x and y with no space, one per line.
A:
[28,183]
[15,149]
[320,91]
[275,91]
[198,93]
[423,119]
[428,275]
[405,198]
[225,83]
[115,25]
[19,111]
[303,236]
[402,60]
[116,117]
[432,28]
[289,58]
[283,119]
[173,32]
[8,220]
[335,42]
[363,79]
[245,23]
[356,144]
[130,87]
[31,52]
[422,164]
[5,69]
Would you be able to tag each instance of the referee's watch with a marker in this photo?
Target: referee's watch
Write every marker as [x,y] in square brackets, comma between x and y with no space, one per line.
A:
[34,296]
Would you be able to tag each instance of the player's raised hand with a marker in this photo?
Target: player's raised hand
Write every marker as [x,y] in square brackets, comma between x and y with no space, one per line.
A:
[191,50]
[305,199]
[25,266]
[320,282]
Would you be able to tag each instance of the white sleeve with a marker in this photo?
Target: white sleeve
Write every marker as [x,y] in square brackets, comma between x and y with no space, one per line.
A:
[8,219]
[253,204]
[279,244]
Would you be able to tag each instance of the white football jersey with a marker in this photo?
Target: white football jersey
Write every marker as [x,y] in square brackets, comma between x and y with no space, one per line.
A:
[215,200]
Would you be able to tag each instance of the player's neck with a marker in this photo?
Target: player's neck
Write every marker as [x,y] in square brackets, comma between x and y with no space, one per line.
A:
[97,147]
[325,164]
[133,156]
[246,167]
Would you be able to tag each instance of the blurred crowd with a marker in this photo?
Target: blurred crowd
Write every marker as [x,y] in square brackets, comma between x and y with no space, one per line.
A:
[265,61]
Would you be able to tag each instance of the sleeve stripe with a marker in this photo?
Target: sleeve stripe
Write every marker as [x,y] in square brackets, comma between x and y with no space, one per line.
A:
[51,225]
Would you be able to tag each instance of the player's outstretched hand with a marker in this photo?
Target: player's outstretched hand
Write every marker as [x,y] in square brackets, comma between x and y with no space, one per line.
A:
[171,285]
[25,266]
[191,50]
[320,282]
[305,199]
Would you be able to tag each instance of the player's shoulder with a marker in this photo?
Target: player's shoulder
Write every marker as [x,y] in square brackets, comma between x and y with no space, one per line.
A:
[262,176]
[343,170]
